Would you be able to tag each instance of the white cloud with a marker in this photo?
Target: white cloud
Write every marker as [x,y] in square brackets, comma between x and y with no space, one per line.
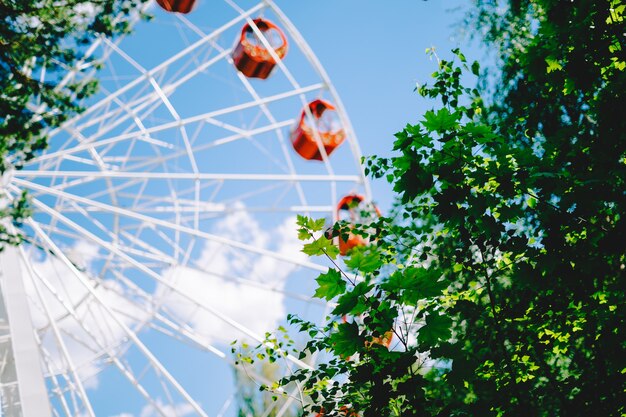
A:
[164,410]
[257,309]
[167,410]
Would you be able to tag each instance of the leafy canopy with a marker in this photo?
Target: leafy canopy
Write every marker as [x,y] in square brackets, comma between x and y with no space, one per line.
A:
[500,272]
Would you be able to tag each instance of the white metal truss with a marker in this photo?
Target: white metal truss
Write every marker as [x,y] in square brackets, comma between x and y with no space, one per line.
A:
[180,172]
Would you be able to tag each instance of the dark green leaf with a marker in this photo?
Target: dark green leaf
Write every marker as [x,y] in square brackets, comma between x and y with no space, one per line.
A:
[436,329]
[353,302]
[346,340]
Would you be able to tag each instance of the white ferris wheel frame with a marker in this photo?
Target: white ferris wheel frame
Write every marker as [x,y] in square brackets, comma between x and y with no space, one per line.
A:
[24,348]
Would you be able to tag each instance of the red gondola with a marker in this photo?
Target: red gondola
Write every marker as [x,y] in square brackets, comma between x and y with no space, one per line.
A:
[328,129]
[177,6]
[251,57]
[351,205]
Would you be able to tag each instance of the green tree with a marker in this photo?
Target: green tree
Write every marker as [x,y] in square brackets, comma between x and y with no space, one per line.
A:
[41,85]
[501,270]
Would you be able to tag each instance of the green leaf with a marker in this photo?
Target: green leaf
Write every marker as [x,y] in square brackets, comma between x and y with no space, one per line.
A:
[318,225]
[321,246]
[436,329]
[303,234]
[353,302]
[346,341]
[415,283]
[365,260]
[330,285]
[475,68]
[441,121]
[301,220]
[479,132]
[310,224]
[553,65]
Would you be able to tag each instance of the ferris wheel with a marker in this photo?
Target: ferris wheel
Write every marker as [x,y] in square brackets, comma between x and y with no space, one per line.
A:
[164,216]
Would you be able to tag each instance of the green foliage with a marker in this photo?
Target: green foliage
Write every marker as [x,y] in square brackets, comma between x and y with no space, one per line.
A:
[17,211]
[363,260]
[330,284]
[501,270]
[252,372]
[40,41]
[320,247]
[435,330]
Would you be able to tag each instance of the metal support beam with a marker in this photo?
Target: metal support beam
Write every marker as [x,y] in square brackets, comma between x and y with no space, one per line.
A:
[23,388]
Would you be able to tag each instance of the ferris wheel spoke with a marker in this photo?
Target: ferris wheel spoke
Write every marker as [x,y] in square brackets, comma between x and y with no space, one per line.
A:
[193,265]
[216,33]
[116,116]
[182,332]
[181,128]
[157,277]
[176,330]
[57,390]
[149,252]
[264,108]
[185,121]
[161,281]
[158,366]
[163,223]
[186,176]
[144,135]
[96,157]
[187,334]
[71,312]
[126,111]
[214,212]
[225,406]
[146,256]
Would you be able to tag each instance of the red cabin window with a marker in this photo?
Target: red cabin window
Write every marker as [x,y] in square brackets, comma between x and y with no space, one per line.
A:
[251,57]
[178,6]
[327,126]
[350,208]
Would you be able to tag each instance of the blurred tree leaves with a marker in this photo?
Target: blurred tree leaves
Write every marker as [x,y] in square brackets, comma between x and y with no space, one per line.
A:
[42,44]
